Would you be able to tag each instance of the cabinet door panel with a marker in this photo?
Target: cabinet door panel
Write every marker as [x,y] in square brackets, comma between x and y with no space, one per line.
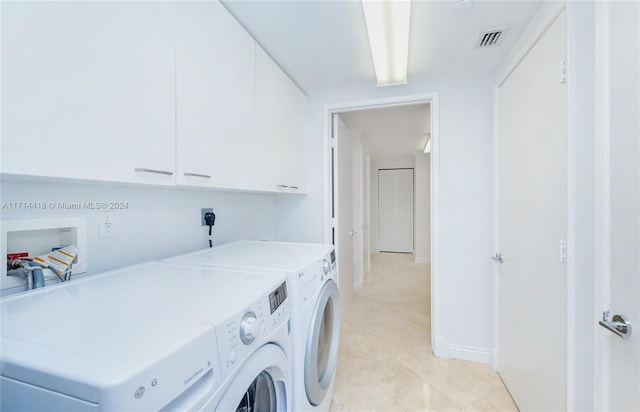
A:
[280,127]
[215,97]
[88,90]
[295,139]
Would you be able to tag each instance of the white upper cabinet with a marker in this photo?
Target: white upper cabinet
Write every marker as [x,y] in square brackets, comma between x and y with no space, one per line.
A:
[215,89]
[146,92]
[88,90]
[281,113]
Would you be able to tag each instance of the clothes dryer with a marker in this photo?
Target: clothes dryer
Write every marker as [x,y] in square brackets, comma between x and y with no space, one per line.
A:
[315,307]
[149,337]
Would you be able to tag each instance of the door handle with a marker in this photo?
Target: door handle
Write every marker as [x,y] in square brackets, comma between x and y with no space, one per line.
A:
[498,258]
[618,325]
[353,233]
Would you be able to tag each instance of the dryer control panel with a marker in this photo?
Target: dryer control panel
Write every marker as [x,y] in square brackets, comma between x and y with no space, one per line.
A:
[309,280]
[265,320]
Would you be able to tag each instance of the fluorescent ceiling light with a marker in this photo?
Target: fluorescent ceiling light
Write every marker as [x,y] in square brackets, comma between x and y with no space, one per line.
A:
[388,27]
[427,146]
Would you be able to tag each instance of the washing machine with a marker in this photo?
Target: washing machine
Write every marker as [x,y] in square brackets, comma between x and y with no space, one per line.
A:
[315,307]
[150,337]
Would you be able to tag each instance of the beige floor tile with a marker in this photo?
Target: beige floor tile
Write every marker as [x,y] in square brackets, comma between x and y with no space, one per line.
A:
[385,361]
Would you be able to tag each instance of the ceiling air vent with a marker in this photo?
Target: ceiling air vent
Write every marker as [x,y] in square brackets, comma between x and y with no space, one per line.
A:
[490,38]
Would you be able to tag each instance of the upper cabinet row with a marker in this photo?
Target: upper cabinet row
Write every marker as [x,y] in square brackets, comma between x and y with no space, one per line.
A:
[146,92]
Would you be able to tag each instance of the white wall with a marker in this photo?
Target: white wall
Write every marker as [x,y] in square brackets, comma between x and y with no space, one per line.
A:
[159,222]
[390,162]
[422,210]
[465,202]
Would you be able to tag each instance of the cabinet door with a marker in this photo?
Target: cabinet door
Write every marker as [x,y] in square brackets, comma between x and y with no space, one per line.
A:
[280,128]
[215,98]
[88,90]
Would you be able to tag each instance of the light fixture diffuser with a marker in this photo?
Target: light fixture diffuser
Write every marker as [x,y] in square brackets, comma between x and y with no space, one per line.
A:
[388,28]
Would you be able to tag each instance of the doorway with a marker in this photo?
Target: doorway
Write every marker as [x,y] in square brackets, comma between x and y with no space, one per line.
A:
[338,223]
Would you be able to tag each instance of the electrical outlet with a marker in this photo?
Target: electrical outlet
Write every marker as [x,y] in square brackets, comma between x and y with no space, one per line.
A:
[202,212]
[106,225]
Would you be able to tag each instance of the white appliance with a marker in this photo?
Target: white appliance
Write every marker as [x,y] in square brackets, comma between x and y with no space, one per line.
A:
[155,336]
[315,307]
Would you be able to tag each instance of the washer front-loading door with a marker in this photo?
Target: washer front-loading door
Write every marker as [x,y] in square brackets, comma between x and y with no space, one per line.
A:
[260,395]
[260,385]
[322,344]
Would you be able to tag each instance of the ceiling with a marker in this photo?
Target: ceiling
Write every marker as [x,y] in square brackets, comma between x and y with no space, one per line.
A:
[323,45]
[391,131]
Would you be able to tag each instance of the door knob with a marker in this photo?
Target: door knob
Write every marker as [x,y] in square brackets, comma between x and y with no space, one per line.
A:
[498,258]
[618,324]
[353,233]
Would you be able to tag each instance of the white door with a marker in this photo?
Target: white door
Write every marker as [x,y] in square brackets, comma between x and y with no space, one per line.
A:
[343,179]
[617,365]
[366,235]
[395,210]
[358,213]
[531,219]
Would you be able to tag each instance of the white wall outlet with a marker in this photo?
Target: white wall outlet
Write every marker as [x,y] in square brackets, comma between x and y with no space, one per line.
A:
[106,225]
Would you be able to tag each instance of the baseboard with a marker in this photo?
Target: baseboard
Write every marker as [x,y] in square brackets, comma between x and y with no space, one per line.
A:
[470,354]
[442,348]
[422,260]
[494,359]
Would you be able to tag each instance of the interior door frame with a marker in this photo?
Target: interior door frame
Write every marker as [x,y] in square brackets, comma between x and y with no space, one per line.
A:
[330,223]
[358,154]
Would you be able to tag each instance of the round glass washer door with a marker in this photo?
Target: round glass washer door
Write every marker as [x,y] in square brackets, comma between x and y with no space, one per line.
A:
[322,344]
[260,396]
[261,383]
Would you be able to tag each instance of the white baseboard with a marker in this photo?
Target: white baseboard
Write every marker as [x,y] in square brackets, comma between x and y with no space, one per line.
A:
[444,349]
[422,260]
[441,347]
[470,354]
[494,359]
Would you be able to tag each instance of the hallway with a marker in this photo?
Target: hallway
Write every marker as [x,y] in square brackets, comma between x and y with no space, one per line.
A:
[385,361]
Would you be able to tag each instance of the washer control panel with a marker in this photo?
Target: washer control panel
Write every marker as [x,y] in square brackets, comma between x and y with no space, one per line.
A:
[326,266]
[277,297]
[249,328]
[252,327]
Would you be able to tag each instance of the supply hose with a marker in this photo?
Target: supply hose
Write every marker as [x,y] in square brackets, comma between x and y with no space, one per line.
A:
[38,277]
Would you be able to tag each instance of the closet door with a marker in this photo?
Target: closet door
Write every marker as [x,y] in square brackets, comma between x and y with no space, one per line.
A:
[531,219]
[617,358]
[395,210]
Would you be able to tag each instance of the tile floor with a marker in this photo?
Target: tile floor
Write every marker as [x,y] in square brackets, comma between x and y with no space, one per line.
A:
[385,361]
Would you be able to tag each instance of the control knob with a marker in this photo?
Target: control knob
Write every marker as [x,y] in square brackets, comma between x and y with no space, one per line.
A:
[249,328]
[326,267]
